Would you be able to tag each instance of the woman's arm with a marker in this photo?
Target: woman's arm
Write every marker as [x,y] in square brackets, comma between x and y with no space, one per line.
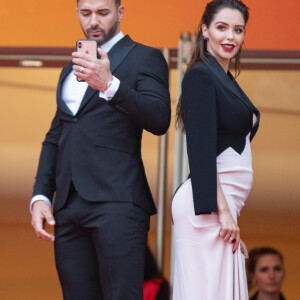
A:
[229,228]
[199,107]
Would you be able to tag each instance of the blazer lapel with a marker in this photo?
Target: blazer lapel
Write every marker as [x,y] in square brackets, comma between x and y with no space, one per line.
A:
[228,82]
[224,79]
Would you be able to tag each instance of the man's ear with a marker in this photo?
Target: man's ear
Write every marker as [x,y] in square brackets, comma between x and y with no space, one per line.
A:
[77,11]
[121,12]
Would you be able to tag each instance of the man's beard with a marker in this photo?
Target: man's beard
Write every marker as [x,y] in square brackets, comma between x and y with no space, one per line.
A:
[106,35]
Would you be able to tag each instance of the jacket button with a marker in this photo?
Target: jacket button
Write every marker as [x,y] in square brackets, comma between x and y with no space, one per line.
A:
[75,120]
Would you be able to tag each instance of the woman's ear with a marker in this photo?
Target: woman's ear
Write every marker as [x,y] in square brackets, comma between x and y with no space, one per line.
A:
[204,30]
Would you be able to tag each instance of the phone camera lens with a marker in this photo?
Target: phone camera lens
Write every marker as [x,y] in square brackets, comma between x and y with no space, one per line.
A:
[79,44]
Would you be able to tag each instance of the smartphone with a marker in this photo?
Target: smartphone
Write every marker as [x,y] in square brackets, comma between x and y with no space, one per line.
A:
[88,46]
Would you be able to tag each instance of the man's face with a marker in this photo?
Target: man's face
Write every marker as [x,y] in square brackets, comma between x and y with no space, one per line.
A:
[99,19]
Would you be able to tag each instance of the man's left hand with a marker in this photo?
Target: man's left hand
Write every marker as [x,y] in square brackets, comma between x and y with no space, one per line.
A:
[96,72]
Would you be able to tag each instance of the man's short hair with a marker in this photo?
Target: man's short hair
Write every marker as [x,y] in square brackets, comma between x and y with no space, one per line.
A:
[117,2]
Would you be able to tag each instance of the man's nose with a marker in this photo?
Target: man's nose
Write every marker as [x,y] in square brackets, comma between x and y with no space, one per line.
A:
[94,20]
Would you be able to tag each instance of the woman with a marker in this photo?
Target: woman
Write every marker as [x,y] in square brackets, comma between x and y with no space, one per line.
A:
[265,269]
[219,121]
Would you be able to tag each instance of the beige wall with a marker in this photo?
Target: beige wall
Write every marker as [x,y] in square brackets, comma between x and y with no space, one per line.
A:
[272,211]
[271,216]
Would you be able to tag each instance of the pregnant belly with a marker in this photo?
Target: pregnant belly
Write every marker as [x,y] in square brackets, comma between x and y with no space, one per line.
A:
[235,175]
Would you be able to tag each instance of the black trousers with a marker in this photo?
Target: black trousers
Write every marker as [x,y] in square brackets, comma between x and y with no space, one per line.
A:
[100,249]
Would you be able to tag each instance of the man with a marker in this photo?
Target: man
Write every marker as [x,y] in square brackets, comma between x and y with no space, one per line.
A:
[91,160]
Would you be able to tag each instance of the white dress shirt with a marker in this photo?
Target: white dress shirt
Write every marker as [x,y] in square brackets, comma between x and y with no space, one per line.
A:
[73,92]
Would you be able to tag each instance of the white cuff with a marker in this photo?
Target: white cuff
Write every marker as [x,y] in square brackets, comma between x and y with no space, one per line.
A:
[37,198]
[110,92]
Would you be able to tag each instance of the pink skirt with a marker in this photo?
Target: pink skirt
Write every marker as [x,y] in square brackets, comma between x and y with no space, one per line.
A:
[205,267]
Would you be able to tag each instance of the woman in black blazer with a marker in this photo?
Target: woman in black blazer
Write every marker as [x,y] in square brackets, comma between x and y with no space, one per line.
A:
[220,121]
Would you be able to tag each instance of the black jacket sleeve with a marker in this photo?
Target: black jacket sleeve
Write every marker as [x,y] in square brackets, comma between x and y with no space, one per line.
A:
[200,121]
[45,178]
[148,104]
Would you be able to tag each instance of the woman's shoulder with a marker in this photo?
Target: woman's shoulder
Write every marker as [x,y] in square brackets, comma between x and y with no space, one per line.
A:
[199,70]
[200,66]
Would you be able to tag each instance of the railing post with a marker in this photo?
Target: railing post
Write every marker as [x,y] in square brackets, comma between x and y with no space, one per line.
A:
[161,191]
[180,156]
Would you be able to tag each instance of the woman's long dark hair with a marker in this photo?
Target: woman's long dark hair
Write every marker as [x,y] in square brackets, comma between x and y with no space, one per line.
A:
[199,46]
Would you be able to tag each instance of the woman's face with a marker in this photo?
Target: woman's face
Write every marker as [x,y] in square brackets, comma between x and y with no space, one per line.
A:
[269,273]
[225,35]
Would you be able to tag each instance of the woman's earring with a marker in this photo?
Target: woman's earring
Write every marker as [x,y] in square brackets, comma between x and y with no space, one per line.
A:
[205,38]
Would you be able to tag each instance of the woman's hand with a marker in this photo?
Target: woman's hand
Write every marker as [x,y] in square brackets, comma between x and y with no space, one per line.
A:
[229,231]
[244,249]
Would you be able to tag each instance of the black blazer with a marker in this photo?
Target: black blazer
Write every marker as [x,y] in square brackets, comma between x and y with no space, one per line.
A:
[217,115]
[99,148]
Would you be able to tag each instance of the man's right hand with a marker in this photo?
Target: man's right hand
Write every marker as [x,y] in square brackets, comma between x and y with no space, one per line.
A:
[41,213]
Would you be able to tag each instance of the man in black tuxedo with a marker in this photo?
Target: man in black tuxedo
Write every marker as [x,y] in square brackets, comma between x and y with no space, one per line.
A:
[91,160]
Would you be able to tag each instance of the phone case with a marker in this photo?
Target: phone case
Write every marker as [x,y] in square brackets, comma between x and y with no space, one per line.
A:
[88,46]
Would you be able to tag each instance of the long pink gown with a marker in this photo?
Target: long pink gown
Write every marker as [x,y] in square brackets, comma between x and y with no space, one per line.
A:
[205,267]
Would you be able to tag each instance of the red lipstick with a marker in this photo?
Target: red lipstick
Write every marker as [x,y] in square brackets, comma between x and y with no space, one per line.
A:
[228,47]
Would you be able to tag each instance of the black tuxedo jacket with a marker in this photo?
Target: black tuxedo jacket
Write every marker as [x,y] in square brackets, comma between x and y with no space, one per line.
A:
[99,148]
[217,115]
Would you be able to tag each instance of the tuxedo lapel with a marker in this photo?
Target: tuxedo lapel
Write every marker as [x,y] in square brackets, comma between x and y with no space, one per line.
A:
[119,52]
[60,103]
[90,92]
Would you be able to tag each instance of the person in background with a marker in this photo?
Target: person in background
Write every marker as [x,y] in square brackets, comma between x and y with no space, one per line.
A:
[265,270]
[91,160]
[219,121]
[156,287]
